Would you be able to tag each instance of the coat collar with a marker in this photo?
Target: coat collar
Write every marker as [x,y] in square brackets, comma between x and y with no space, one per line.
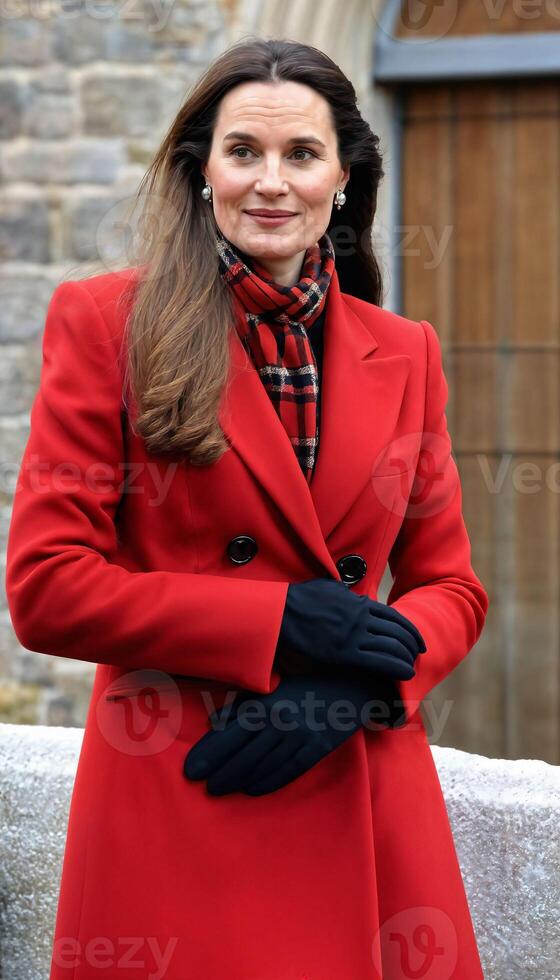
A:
[361,395]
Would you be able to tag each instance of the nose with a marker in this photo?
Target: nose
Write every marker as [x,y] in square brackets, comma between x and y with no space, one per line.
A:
[271,180]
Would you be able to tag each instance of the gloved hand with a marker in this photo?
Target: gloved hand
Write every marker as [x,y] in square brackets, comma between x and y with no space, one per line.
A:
[270,739]
[325,620]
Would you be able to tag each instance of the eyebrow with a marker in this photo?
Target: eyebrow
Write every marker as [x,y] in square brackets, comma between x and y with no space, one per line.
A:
[252,139]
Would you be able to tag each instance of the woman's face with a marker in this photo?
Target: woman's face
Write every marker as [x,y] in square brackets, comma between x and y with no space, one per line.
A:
[274,148]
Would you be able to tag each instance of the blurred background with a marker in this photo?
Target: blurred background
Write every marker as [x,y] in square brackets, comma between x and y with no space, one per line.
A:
[466,99]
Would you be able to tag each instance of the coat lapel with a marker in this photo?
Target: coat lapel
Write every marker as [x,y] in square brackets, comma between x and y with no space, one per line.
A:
[361,395]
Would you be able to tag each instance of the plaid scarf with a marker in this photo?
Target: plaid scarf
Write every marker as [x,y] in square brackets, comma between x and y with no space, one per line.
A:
[273,325]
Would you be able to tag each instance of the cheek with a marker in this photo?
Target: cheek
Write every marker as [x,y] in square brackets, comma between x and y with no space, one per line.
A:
[316,206]
[229,185]
[317,193]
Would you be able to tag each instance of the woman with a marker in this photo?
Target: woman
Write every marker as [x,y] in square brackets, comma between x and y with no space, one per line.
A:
[190,521]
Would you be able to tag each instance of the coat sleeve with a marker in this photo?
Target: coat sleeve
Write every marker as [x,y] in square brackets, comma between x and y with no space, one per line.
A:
[65,595]
[434,584]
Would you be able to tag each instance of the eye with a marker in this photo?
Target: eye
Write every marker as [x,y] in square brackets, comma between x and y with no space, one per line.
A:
[299,149]
[232,152]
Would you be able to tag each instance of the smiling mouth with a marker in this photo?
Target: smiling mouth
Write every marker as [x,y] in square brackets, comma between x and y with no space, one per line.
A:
[270,218]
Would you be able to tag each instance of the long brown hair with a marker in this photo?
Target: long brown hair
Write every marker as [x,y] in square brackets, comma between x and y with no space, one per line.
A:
[177,331]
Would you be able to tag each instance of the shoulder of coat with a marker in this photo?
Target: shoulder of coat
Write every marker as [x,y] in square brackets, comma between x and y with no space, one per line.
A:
[110,285]
[112,293]
[401,332]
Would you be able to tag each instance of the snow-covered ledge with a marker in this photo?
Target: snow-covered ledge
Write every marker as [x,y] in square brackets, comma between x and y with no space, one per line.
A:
[504,814]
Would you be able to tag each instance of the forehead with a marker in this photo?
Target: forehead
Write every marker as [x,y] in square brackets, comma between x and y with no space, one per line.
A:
[267,106]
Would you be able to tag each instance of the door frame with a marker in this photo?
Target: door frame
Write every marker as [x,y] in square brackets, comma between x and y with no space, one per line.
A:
[472,56]
[398,62]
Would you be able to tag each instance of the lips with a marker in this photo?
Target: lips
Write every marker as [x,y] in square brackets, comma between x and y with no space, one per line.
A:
[263,213]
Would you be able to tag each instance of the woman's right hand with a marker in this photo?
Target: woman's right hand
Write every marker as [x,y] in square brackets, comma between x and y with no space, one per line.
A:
[326,621]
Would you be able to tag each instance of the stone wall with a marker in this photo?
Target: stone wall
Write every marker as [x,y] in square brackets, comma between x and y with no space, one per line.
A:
[87,91]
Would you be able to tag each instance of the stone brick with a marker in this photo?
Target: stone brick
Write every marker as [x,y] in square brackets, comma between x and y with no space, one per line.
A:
[19,376]
[20,665]
[52,78]
[5,517]
[175,82]
[80,39]
[86,38]
[115,104]
[11,107]
[62,161]
[87,225]
[129,42]
[35,668]
[139,152]
[14,432]
[185,23]
[73,680]
[49,114]
[49,110]
[23,304]
[19,703]
[23,41]
[24,229]
[10,648]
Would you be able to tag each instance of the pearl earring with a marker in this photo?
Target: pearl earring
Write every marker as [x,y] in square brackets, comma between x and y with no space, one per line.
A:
[340,199]
[207,192]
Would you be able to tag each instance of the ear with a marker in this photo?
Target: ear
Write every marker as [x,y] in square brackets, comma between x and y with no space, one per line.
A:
[345,177]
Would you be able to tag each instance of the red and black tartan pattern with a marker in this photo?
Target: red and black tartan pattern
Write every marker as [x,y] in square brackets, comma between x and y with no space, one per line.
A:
[273,322]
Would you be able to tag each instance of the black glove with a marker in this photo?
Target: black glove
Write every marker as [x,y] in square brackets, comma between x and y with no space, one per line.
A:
[271,739]
[325,620]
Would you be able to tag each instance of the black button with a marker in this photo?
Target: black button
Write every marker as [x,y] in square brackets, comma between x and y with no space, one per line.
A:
[352,568]
[241,549]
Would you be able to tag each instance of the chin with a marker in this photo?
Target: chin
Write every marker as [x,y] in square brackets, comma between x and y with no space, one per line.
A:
[266,242]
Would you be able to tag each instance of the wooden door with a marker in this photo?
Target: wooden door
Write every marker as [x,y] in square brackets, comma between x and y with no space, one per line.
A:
[480,247]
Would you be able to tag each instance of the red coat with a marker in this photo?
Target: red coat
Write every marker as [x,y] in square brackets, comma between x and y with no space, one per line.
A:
[350,866]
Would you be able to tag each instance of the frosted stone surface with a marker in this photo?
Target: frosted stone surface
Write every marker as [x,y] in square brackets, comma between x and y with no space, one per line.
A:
[504,815]
[37,768]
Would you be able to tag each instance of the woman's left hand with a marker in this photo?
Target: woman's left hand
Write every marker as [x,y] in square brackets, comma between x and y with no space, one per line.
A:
[269,740]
